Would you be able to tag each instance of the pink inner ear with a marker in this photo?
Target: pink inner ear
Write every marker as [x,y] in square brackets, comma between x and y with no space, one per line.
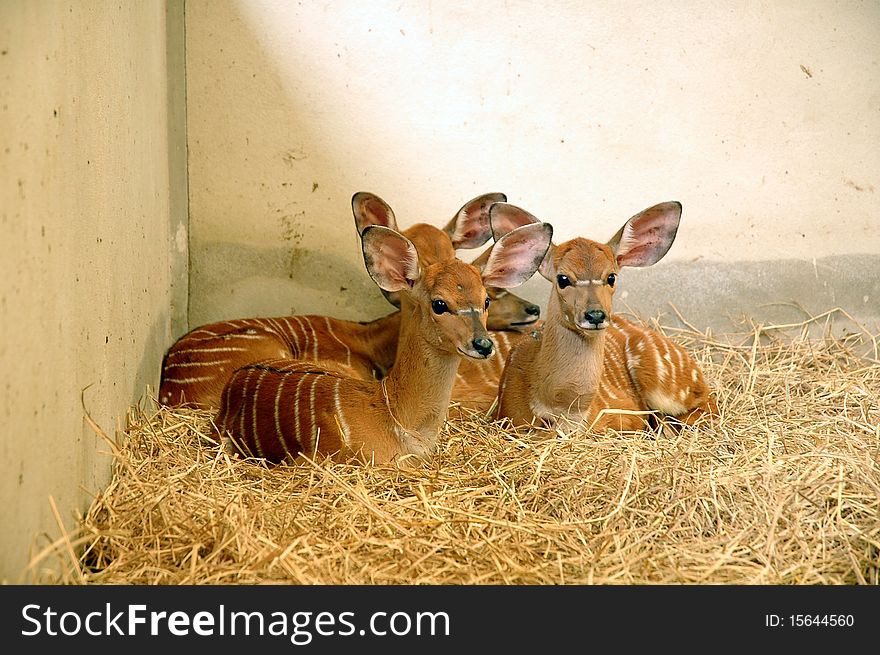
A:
[505,218]
[647,237]
[470,227]
[378,213]
[391,259]
[516,256]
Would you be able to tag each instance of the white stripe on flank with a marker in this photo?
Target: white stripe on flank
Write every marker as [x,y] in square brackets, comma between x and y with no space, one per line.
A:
[680,356]
[343,424]
[613,355]
[343,344]
[292,336]
[199,331]
[662,373]
[314,339]
[225,349]
[201,378]
[243,409]
[279,434]
[628,356]
[275,326]
[228,336]
[296,403]
[257,441]
[606,388]
[312,410]
[301,332]
[190,364]
[247,335]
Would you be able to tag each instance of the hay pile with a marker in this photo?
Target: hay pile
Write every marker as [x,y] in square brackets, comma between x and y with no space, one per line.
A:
[783,489]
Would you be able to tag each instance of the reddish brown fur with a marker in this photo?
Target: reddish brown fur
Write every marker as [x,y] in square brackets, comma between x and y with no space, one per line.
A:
[198,365]
[196,368]
[279,409]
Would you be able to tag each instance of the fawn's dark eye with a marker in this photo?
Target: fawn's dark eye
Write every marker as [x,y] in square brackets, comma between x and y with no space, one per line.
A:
[439,306]
[612,278]
[486,304]
[563,281]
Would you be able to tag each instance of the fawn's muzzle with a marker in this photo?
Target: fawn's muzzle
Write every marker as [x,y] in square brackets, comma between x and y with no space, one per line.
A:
[483,346]
[595,317]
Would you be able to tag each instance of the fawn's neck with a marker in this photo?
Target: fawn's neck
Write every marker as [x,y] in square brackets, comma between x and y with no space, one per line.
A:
[379,340]
[418,388]
[568,366]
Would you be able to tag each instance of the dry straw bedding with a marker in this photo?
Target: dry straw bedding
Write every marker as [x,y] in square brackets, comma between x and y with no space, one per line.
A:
[783,488]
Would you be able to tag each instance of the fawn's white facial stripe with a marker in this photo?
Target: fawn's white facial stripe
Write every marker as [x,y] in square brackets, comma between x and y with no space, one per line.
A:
[586,283]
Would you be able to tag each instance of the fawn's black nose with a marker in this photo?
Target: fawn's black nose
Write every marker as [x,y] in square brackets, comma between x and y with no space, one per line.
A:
[483,346]
[533,310]
[595,316]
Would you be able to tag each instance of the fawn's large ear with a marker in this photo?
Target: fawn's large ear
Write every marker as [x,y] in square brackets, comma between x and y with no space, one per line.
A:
[370,209]
[516,256]
[646,237]
[391,259]
[547,269]
[469,228]
[504,218]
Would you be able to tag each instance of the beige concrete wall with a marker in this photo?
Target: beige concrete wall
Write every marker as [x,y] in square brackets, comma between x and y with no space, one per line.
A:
[93,271]
[761,118]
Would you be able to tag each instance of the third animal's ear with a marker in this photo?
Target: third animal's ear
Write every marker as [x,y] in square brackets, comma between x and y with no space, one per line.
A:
[516,256]
[646,237]
[370,209]
[391,259]
[469,228]
[504,217]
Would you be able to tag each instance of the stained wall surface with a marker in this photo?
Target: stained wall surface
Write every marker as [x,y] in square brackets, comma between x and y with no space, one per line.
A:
[762,119]
[93,270]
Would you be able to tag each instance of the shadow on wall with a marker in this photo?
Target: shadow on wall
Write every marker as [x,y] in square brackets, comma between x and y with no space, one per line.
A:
[271,231]
[282,281]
